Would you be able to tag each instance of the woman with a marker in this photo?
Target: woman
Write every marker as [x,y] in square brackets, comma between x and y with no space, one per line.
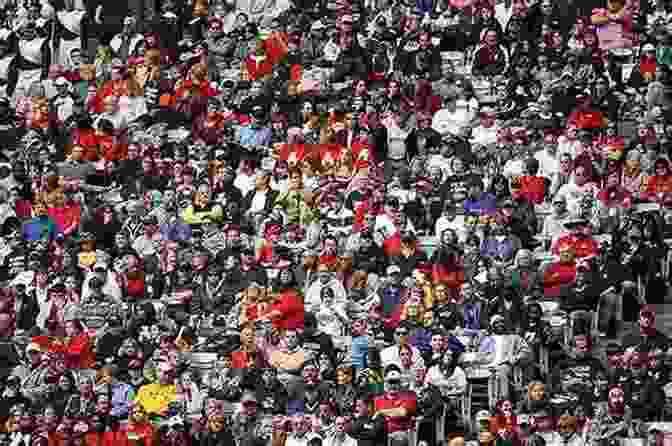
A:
[287,309]
[79,348]
[576,39]
[490,58]
[447,261]
[105,227]
[659,185]
[652,237]
[591,54]
[499,187]
[65,389]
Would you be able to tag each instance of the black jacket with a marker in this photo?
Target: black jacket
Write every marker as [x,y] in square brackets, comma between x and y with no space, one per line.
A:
[369,432]
[271,195]
[25,319]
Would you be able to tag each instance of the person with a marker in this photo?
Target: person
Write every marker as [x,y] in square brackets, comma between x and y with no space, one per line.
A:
[397,407]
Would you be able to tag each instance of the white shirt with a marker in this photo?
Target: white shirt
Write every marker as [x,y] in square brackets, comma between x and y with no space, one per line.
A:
[484,136]
[313,300]
[456,224]
[455,383]
[549,164]
[258,202]
[567,146]
[390,355]
[446,121]
[332,440]
[574,195]
[513,168]
[245,183]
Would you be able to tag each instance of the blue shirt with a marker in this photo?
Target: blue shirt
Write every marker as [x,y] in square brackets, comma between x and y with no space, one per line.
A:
[485,205]
[360,351]
[176,232]
[256,136]
[41,228]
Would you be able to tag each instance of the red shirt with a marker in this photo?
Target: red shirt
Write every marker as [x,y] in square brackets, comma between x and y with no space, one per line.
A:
[79,354]
[408,400]
[290,304]
[584,247]
[556,275]
[533,189]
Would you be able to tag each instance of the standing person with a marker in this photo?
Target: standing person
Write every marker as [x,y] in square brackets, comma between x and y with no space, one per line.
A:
[71,32]
[397,407]
[33,59]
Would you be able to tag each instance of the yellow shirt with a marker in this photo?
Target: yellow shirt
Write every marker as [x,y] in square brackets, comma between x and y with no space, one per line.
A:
[154,398]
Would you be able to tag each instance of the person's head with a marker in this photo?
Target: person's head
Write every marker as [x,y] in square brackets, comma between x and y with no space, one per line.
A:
[490,37]
[582,345]
[401,334]
[111,104]
[129,25]
[647,318]
[567,426]
[292,339]
[73,328]
[392,379]
[536,391]
[616,400]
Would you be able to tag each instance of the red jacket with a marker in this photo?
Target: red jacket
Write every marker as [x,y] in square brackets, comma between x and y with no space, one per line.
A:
[556,275]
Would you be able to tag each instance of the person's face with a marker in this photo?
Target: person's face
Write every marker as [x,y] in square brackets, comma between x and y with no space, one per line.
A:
[491,38]
[582,347]
[103,404]
[615,360]
[401,335]
[616,398]
[64,383]
[580,176]
[406,358]
[292,339]
[437,343]
[589,39]
[110,105]
[361,408]
[71,329]
[646,320]
[50,418]
[538,392]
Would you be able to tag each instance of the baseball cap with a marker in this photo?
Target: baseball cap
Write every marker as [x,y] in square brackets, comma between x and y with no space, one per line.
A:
[393,269]
[61,81]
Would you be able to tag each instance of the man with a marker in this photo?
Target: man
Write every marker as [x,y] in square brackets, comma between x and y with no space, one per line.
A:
[325,279]
[315,341]
[573,375]
[126,43]
[366,430]
[259,201]
[63,102]
[397,407]
[647,334]
[98,308]
[391,355]
[580,237]
[340,437]
[110,285]
[149,242]
[156,398]
[554,224]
